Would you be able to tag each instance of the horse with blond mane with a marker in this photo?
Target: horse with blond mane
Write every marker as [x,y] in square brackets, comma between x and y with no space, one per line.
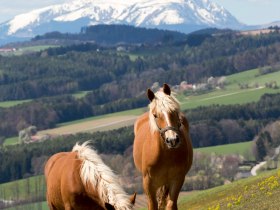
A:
[80,180]
[162,149]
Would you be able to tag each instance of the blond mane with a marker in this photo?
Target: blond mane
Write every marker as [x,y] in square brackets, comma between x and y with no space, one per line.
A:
[101,177]
[162,103]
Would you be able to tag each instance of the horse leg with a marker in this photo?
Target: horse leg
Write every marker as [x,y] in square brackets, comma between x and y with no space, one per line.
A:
[173,195]
[68,206]
[150,193]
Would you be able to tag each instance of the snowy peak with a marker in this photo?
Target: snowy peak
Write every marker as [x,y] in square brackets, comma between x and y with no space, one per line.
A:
[180,15]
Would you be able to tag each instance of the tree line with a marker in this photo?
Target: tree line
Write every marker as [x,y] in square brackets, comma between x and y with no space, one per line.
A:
[241,123]
[46,113]
[69,69]
[115,82]
[115,34]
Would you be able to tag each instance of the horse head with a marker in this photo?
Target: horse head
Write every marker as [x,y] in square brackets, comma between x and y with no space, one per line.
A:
[165,116]
[131,199]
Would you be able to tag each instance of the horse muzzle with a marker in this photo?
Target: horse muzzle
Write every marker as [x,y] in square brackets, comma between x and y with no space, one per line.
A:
[172,143]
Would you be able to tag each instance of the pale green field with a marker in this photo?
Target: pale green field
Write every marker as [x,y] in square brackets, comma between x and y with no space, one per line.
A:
[11,141]
[232,94]
[32,206]
[23,50]
[6,104]
[23,189]
[243,148]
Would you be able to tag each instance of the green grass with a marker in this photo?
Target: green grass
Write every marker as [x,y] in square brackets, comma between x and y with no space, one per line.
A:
[28,49]
[11,141]
[7,104]
[123,113]
[243,148]
[232,94]
[33,206]
[258,193]
[80,94]
[23,189]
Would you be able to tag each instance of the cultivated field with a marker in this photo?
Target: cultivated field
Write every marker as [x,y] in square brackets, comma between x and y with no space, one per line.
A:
[232,94]
[103,124]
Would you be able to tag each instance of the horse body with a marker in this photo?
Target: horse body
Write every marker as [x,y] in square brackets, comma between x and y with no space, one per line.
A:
[80,180]
[162,162]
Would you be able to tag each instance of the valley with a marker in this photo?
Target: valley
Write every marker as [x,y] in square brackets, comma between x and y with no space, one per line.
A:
[227,84]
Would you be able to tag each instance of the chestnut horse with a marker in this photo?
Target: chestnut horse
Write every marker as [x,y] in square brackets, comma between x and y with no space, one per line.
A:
[162,149]
[80,180]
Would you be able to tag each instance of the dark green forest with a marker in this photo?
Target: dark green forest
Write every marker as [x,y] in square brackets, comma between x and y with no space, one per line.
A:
[214,125]
[115,81]
[115,34]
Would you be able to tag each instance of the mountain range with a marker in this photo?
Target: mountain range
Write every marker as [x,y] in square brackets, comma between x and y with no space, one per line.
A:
[180,15]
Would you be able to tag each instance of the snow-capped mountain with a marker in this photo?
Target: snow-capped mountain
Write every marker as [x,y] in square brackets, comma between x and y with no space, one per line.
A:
[181,15]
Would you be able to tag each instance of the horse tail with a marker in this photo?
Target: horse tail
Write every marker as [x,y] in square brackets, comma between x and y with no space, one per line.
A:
[101,177]
[161,197]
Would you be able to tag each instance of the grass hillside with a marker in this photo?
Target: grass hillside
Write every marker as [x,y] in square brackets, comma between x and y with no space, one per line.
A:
[232,93]
[243,148]
[258,193]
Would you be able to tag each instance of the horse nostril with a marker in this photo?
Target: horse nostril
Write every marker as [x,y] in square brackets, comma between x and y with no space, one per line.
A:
[177,139]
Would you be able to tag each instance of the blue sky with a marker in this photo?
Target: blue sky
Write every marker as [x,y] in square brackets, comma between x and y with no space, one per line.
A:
[253,11]
[247,11]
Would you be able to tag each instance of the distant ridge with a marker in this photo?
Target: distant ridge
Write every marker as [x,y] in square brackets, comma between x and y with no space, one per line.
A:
[116,34]
[178,15]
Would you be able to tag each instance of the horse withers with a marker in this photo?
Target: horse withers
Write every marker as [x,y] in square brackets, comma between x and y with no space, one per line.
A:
[79,180]
[162,149]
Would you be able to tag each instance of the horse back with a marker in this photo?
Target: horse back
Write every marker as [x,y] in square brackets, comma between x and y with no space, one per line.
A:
[64,185]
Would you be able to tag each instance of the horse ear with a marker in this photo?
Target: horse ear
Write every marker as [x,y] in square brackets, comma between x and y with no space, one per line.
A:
[166,89]
[150,94]
[133,198]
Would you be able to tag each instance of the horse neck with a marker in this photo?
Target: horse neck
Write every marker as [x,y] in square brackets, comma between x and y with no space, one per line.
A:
[101,179]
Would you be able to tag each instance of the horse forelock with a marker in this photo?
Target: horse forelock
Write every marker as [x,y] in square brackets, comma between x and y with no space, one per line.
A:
[162,103]
[101,177]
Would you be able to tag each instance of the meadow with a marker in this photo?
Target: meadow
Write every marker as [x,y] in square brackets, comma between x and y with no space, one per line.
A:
[258,193]
[27,188]
[238,195]
[231,94]
[28,49]
[243,148]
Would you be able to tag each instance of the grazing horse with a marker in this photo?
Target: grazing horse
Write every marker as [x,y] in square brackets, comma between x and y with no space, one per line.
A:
[80,180]
[162,149]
